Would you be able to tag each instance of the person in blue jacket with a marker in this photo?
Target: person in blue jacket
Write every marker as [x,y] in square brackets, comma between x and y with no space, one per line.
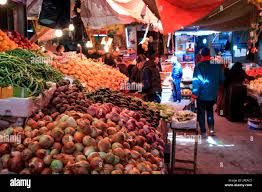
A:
[206,80]
[177,74]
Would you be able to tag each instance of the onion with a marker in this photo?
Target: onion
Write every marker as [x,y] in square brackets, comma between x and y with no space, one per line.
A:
[47,160]
[56,166]
[27,154]
[41,153]
[4,148]
[25,171]
[15,164]
[46,171]
[36,165]
[34,146]
[81,167]
[46,141]
[69,147]
[5,158]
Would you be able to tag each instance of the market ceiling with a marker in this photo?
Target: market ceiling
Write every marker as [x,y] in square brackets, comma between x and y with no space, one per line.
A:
[177,14]
[234,15]
[174,14]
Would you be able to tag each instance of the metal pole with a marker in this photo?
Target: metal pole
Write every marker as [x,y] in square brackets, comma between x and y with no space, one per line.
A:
[173,151]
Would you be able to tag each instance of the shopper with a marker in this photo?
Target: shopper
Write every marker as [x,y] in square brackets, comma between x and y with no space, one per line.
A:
[130,70]
[235,93]
[60,50]
[177,74]
[221,92]
[151,81]
[198,57]
[206,79]
[121,66]
[157,62]
[237,75]
[137,71]
[109,60]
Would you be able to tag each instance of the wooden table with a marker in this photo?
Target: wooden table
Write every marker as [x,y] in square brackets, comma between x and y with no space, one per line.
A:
[173,153]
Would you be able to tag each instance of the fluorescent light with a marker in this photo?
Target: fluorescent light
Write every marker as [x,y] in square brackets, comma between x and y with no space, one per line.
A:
[106,48]
[3,2]
[30,30]
[168,40]
[71,27]
[197,33]
[127,38]
[99,35]
[89,44]
[58,33]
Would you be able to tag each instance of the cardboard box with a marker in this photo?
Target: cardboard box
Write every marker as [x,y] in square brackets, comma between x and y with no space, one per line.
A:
[6,92]
[25,107]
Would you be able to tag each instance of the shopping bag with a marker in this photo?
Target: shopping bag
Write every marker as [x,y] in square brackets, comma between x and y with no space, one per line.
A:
[191,107]
[55,14]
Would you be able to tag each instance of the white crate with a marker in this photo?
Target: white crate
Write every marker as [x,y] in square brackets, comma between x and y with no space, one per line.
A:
[25,107]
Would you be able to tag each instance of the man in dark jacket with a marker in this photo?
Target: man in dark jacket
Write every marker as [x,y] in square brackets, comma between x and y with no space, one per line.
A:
[177,74]
[157,62]
[206,80]
[137,71]
[121,66]
[109,60]
[151,81]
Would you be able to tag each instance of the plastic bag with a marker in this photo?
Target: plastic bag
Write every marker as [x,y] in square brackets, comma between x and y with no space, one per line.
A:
[55,14]
[191,107]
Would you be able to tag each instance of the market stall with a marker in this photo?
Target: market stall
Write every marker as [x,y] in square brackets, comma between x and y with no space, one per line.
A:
[76,114]
[79,128]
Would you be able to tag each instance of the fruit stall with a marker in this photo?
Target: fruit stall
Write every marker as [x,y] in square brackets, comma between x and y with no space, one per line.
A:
[254,90]
[86,126]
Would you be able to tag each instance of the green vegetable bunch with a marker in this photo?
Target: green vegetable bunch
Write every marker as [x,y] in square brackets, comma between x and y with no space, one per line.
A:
[16,70]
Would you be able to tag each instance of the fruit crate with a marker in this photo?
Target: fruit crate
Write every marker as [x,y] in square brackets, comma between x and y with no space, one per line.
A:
[25,107]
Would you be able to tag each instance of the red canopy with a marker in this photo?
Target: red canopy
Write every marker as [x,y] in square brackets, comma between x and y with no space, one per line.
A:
[176,14]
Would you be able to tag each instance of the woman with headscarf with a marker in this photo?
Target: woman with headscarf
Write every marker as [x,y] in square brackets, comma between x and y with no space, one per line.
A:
[235,92]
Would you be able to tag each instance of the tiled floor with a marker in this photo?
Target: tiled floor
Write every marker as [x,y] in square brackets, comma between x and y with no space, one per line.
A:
[235,150]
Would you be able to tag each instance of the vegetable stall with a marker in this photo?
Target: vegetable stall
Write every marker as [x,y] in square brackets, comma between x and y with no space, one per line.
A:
[87,126]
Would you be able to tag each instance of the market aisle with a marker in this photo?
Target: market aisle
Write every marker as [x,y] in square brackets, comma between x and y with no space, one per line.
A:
[235,150]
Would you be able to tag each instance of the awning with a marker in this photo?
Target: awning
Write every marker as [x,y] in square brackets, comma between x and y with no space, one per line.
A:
[153,7]
[136,9]
[236,15]
[99,14]
[177,14]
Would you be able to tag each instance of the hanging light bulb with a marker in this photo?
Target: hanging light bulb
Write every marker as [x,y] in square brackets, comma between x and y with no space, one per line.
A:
[204,41]
[3,2]
[89,44]
[58,33]
[106,48]
[43,49]
[71,27]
